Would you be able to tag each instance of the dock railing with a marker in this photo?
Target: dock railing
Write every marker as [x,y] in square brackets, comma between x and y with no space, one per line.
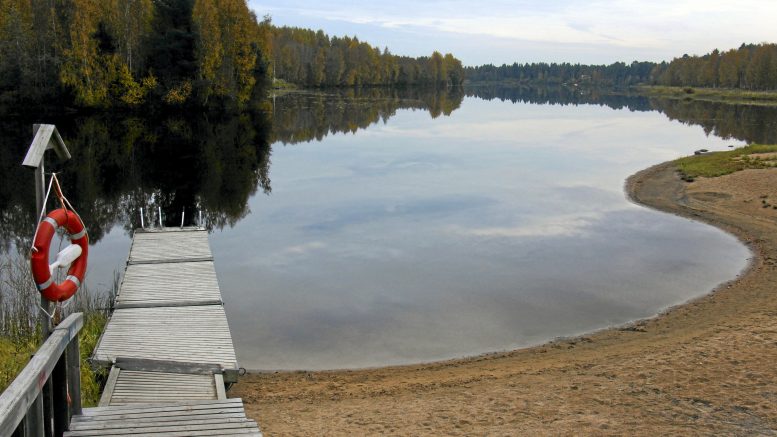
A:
[47,393]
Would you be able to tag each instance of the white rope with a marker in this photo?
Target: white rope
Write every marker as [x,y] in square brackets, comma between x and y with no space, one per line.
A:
[43,210]
[64,201]
[76,213]
[51,316]
[67,302]
[42,213]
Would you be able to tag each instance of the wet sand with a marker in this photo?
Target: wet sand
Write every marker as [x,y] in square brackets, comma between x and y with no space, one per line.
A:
[705,367]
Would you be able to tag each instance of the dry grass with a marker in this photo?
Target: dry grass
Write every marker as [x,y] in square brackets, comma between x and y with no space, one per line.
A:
[725,95]
[20,328]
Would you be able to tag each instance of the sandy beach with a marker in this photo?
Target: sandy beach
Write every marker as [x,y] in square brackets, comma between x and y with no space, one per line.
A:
[702,368]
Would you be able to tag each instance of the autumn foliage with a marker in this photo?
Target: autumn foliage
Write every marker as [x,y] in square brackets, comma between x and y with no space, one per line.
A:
[114,53]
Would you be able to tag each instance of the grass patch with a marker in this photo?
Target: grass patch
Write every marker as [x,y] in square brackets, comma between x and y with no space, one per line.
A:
[94,322]
[727,162]
[16,353]
[727,95]
[20,330]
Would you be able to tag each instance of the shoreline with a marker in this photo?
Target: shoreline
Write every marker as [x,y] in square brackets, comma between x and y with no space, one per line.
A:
[620,379]
[714,95]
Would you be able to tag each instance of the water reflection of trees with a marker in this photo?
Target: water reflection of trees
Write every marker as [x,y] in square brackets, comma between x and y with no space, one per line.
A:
[208,162]
[750,123]
[182,162]
[216,162]
[560,95]
[301,117]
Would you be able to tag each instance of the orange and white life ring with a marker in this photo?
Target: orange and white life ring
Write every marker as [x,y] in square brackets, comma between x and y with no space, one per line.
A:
[39,261]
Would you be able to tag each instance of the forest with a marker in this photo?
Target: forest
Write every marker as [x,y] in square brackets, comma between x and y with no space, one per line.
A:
[127,54]
[617,74]
[124,53]
[750,67]
[130,53]
[311,58]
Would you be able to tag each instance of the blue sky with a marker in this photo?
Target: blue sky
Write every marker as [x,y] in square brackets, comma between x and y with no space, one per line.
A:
[500,31]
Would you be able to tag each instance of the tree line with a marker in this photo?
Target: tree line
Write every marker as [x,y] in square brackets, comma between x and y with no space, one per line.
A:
[750,67]
[616,74]
[311,58]
[129,53]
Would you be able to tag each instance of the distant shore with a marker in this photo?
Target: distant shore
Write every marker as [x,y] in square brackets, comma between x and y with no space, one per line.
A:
[705,367]
[727,95]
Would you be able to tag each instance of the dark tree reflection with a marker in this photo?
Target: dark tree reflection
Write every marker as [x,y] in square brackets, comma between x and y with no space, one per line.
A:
[183,163]
[304,116]
[749,123]
[214,162]
[207,162]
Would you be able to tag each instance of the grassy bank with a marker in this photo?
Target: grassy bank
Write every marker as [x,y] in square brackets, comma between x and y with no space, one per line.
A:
[712,94]
[723,163]
[20,330]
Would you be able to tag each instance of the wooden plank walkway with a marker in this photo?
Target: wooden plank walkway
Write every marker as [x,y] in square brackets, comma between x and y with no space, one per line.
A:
[158,284]
[168,345]
[192,418]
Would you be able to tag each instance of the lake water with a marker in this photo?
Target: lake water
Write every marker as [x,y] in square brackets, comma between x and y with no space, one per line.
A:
[371,229]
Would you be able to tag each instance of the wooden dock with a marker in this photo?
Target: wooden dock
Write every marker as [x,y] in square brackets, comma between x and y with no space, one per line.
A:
[168,346]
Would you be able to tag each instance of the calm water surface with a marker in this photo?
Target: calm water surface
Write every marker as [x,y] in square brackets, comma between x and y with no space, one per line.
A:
[355,230]
[499,226]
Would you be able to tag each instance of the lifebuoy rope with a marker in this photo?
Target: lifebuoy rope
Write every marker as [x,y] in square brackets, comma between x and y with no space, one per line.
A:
[42,214]
[66,205]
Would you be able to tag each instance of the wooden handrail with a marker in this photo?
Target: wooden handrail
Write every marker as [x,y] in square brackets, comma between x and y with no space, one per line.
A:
[23,403]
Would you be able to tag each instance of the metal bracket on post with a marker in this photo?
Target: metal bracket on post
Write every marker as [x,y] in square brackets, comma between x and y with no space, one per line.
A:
[45,137]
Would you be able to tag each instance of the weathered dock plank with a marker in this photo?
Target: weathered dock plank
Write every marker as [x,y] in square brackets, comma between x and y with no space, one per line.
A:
[169,346]
[191,418]
[189,334]
[166,246]
[126,387]
[160,284]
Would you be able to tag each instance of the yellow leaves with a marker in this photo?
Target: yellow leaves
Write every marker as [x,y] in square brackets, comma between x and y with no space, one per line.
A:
[130,92]
[226,31]
[102,52]
[209,47]
[149,82]
[179,94]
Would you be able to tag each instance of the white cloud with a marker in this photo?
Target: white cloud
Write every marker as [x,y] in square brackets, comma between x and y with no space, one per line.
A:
[665,27]
[301,249]
[558,226]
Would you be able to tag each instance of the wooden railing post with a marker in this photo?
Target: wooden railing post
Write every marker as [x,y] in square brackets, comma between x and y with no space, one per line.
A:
[74,376]
[23,409]
[33,421]
[59,385]
[48,407]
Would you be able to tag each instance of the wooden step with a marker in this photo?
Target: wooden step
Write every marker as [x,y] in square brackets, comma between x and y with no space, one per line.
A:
[192,418]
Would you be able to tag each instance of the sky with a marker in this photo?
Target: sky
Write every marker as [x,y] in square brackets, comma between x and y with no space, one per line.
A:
[501,31]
